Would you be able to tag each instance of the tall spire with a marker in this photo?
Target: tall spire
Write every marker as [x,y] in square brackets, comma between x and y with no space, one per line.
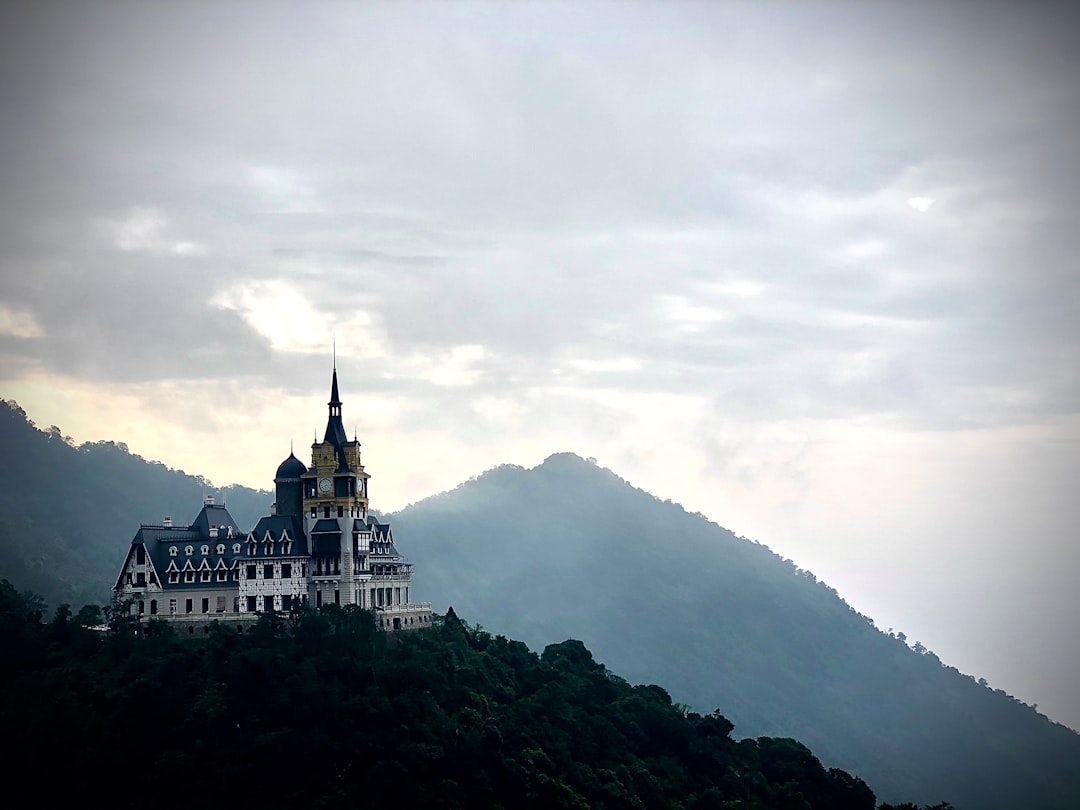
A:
[335,399]
[335,431]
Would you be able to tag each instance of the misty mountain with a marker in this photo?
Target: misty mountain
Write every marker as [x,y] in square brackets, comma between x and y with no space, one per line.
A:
[568,549]
[68,513]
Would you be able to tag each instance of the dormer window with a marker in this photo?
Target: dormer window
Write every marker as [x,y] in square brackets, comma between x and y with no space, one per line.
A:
[189,550]
[251,548]
[205,550]
[288,547]
[172,551]
[236,548]
[221,548]
[268,549]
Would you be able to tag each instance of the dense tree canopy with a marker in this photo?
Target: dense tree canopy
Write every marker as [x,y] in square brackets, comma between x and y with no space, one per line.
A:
[321,708]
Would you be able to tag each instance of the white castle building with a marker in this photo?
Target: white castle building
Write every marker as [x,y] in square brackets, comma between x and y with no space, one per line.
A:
[318,546]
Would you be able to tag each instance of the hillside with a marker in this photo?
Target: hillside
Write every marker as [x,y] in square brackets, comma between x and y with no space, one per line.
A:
[322,709]
[68,513]
[660,595]
[664,596]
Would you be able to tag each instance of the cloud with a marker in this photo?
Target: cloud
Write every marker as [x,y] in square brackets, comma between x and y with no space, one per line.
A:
[18,323]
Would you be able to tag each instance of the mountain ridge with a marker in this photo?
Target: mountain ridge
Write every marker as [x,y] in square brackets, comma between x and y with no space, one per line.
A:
[660,595]
[663,595]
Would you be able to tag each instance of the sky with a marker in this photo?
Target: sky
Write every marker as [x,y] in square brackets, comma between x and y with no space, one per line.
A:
[808,269]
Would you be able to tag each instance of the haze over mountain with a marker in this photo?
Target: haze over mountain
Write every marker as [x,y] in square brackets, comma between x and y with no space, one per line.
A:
[67,513]
[570,550]
[807,268]
[661,595]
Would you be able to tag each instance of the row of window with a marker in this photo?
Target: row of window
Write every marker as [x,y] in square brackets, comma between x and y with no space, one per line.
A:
[204,550]
[268,571]
[222,574]
[268,550]
[252,604]
[354,511]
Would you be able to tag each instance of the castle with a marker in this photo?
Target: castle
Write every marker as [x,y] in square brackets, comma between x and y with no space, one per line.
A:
[319,546]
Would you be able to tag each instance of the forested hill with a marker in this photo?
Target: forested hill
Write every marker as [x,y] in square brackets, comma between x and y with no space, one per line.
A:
[660,595]
[67,514]
[322,709]
[667,597]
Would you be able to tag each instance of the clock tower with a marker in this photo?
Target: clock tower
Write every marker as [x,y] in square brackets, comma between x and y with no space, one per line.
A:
[335,511]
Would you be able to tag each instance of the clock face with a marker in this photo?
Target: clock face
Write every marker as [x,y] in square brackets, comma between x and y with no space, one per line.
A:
[324,484]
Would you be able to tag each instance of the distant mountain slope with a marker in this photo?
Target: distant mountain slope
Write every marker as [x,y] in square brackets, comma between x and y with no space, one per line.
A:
[67,514]
[570,550]
[660,595]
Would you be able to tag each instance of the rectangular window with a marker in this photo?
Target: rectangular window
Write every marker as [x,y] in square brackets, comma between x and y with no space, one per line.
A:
[142,607]
[251,604]
[314,514]
[140,555]
[341,511]
[397,596]
[172,606]
[220,607]
[206,605]
[187,606]
[189,576]
[140,579]
[222,575]
[268,572]
[318,599]
[286,571]
[251,573]
[372,602]
[268,603]
[326,511]
[173,577]
[236,604]
[337,597]
[286,602]
[205,575]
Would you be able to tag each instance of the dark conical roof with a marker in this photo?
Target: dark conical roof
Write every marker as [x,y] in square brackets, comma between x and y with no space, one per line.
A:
[335,430]
[292,467]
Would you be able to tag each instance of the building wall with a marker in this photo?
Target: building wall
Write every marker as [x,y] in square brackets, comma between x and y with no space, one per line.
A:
[169,604]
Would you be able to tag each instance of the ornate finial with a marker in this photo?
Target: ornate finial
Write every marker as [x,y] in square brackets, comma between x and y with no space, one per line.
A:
[335,351]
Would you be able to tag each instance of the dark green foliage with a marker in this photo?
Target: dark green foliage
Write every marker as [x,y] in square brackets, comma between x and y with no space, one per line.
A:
[322,708]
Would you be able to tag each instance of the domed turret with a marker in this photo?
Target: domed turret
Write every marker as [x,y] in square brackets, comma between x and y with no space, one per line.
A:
[289,488]
[292,467]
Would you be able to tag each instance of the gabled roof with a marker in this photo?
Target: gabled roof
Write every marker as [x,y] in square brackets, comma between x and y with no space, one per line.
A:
[158,539]
[281,528]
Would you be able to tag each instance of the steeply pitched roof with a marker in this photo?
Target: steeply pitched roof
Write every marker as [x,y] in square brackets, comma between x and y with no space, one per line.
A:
[276,525]
[157,541]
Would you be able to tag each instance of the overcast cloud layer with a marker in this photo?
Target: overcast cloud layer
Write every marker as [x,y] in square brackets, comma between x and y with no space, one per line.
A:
[810,269]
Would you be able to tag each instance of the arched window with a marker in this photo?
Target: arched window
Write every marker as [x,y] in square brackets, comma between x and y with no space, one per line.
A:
[205,550]
[172,551]
[221,548]
[236,548]
[189,551]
